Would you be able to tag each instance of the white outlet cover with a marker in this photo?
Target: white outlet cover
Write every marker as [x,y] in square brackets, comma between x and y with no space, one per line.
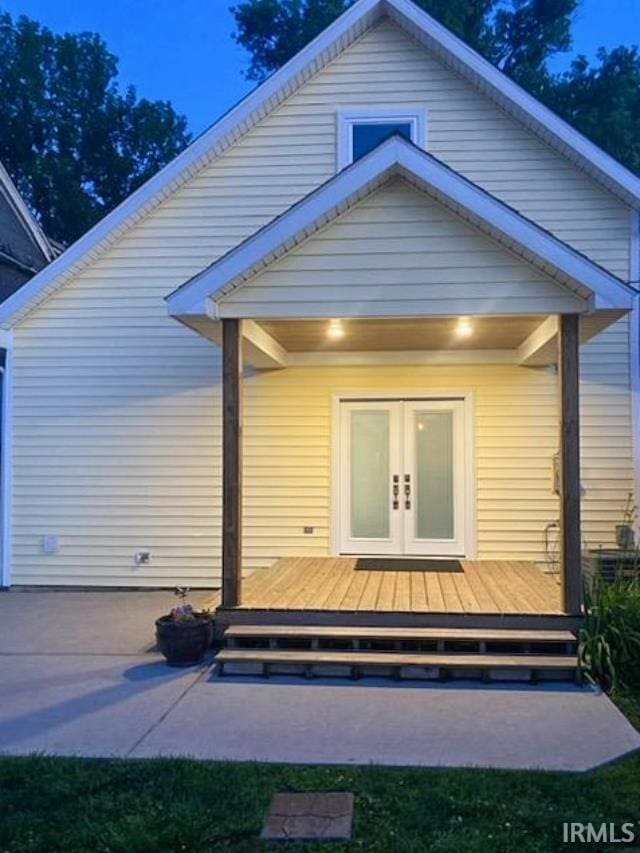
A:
[49,544]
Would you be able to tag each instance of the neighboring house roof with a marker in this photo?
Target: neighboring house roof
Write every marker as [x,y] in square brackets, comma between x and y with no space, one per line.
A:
[332,41]
[10,191]
[24,248]
[397,156]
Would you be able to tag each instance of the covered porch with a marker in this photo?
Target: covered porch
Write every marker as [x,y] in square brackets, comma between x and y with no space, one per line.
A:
[399,262]
[491,588]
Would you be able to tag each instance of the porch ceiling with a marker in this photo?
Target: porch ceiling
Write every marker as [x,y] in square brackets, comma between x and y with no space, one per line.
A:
[401,334]
[525,339]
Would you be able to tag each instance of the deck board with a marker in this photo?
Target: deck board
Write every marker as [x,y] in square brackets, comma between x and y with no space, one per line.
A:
[387,591]
[333,583]
[338,590]
[435,598]
[402,600]
[418,592]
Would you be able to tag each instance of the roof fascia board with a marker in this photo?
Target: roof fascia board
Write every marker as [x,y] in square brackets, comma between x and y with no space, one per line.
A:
[24,214]
[394,156]
[604,285]
[281,84]
[366,173]
[526,107]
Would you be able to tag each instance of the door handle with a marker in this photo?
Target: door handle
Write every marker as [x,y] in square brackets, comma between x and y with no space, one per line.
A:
[407,491]
[396,491]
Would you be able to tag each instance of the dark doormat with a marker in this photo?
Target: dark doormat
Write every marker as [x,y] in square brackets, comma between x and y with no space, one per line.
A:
[393,564]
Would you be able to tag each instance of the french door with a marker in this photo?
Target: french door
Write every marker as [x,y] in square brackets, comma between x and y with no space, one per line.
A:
[402,477]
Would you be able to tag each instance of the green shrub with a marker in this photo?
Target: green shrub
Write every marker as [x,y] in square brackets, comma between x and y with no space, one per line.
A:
[610,635]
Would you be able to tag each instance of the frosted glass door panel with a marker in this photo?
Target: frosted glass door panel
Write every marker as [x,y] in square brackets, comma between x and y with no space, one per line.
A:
[435,456]
[370,463]
[370,474]
[433,490]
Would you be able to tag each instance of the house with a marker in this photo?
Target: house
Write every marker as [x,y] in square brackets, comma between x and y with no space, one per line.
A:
[24,248]
[384,309]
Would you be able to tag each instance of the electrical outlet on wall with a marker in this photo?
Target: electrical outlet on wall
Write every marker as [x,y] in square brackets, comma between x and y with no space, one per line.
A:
[308,530]
[49,544]
[142,558]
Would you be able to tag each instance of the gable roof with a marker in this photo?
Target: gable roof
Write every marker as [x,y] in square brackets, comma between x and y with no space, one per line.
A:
[24,215]
[398,157]
[333,40]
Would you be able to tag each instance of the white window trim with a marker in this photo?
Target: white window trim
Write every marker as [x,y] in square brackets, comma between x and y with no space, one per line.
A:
[412,114]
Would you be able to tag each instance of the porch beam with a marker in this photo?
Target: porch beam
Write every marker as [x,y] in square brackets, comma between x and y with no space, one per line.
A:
[539,348]
[260,348]
[231,462]
[570,540]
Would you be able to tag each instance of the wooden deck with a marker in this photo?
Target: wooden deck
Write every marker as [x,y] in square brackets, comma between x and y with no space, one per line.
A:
[333,584]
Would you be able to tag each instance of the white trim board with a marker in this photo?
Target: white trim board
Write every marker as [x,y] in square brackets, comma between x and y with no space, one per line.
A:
[412,114]
[205,293]
[634,360]
[372,358]
[334,39]
[6,470]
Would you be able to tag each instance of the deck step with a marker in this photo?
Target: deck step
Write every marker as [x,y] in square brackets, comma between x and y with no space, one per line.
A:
[499,635]
[413,640]
[403,665]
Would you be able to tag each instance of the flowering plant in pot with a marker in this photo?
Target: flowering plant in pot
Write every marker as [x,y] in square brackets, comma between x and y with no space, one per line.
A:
[184,634]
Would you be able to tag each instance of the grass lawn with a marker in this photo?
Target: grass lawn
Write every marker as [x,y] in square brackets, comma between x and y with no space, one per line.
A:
[53,804]
[59,804]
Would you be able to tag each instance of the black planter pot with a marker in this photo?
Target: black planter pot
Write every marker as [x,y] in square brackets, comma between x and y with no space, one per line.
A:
[184,643]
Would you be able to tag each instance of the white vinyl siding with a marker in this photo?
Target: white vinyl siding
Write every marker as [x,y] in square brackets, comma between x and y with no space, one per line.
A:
[112,470]
[293,151]
[288,453]
[606,431]
[117,408]
[396,253]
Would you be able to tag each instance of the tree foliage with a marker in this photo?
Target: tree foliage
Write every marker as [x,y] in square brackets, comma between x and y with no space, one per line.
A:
[75,144]
[603,101]
[518,36]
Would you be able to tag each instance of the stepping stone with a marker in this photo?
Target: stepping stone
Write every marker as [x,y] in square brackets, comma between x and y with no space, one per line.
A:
[309,817]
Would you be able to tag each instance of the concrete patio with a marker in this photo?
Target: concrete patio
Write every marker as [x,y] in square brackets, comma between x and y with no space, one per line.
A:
[80,676]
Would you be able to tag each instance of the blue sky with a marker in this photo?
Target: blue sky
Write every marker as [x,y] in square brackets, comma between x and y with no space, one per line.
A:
[183,50]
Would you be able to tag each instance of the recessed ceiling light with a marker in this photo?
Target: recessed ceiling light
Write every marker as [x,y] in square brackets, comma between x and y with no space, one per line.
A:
[335,330]
[464,327]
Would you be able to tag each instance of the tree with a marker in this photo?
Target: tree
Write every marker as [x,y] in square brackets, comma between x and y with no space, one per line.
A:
[73,142]
[518,36]
[603,101]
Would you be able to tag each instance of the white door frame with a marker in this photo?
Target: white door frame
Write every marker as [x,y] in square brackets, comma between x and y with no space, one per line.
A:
[360,395]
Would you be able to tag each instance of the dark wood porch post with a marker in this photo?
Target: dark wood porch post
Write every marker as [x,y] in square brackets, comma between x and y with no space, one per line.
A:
[231,462]
[570,541]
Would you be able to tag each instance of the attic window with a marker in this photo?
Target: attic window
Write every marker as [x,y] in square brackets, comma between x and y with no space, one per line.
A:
[360,131]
